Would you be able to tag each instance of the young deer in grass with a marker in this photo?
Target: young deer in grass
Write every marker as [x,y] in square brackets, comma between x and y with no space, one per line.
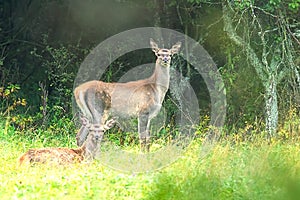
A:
[63,155]
[98,100]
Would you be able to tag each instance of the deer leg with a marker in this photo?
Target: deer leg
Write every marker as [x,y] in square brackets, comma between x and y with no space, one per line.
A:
[99,104]
[82,102]
[144,134]
[83,131]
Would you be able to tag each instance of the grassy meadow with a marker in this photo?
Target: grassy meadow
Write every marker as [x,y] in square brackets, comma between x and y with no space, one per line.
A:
[233,169]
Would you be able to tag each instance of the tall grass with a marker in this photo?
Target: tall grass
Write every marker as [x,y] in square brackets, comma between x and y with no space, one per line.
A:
[240,170]
[243,171]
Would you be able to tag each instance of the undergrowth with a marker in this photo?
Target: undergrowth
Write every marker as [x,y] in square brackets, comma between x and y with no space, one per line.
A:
[234,168]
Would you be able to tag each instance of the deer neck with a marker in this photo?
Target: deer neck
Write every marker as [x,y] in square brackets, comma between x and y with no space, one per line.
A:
[161,76]
[89,148]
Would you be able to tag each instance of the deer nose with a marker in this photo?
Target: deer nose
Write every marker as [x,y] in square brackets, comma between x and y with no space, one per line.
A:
[97,137]
[165,59]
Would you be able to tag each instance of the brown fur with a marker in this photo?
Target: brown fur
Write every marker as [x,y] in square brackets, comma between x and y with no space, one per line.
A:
[52,155]
[63,155]
[142,99]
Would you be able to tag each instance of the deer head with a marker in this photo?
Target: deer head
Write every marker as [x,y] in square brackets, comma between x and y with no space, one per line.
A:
[164,55]
[95,136]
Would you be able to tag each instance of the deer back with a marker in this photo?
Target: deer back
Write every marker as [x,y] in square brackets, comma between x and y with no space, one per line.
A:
[51,156]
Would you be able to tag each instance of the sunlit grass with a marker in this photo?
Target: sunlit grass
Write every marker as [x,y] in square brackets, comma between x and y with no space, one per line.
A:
[77,181]
[243,171]
[231,170]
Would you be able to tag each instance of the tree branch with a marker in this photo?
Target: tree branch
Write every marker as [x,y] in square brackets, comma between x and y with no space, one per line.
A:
[254,60]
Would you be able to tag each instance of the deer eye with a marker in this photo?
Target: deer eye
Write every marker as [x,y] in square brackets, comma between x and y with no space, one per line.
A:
[158,54]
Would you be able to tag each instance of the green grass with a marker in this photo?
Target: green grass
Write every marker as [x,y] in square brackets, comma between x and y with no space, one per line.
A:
[247,170]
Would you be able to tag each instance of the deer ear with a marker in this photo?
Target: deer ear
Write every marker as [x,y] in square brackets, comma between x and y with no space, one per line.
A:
[175,48]
[153,46]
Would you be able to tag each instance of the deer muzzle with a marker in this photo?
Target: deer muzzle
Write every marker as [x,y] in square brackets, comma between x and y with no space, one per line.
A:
[97,132]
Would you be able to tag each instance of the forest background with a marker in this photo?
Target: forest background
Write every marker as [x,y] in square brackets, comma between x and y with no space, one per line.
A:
[255,45]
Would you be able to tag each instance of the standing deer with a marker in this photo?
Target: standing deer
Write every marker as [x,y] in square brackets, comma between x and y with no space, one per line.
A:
[63,155]
[143,99]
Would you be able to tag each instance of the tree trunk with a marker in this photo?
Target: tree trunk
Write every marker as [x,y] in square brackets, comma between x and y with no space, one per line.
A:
[267,72]
[271,107]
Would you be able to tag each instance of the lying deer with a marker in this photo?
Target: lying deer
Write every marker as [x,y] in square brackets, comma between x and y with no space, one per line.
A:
[63,155]
[143,99]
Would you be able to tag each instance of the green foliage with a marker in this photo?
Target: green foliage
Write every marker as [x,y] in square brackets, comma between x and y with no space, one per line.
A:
[42,55]
[59,68]
[244,170]
[9,103]
[291,126]
[231,172]
[198,1]
[60,63]
[23,131]
[294,5]
[10,100]
[243,92]
[271,6]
